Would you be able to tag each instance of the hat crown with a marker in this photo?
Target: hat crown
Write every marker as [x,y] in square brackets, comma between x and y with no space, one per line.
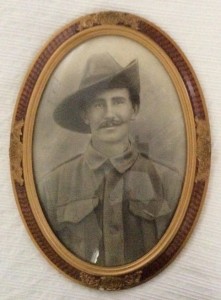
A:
[99,67]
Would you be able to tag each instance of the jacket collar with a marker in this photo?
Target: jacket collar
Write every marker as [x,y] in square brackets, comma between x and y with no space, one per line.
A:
[121,162]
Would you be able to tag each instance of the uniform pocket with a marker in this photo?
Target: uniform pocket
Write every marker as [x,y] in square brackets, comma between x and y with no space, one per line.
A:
[149,209]
[76,210]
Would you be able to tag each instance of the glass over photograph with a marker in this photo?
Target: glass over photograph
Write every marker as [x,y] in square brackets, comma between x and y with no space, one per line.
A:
[109,151]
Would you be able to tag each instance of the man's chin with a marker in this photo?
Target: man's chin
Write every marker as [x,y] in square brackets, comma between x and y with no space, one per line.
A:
[114,127]
[110,139]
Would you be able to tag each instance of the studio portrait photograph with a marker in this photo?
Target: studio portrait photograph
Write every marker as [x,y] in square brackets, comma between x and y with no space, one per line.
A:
[109,151]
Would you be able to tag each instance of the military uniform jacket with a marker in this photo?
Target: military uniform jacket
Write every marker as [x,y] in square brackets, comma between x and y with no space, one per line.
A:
[109,211]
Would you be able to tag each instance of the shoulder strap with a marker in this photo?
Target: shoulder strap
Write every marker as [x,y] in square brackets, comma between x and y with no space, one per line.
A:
[155,179]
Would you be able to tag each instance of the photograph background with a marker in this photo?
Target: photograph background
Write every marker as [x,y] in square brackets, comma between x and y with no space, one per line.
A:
[158,130]
[27,25]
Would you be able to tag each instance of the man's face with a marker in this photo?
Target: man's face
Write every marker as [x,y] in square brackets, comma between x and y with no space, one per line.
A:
[109,115]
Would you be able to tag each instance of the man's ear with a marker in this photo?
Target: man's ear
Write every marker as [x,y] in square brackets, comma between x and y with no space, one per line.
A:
[135,112]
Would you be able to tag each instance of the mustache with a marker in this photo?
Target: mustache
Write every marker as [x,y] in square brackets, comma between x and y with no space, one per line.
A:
[110,123]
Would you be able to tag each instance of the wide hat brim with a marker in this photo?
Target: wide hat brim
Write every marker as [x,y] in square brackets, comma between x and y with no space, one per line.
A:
[68,113]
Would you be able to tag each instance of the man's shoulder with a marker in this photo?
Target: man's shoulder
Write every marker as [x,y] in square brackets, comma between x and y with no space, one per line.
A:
[70,162]
[144,163]
[65,167]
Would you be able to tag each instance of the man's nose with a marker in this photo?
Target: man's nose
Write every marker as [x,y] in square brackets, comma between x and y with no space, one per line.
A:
[109,111]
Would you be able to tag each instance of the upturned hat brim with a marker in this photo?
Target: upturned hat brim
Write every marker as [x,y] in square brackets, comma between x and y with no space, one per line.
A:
[68,113]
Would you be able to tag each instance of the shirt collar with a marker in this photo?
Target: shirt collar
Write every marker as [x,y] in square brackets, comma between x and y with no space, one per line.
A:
[121,162]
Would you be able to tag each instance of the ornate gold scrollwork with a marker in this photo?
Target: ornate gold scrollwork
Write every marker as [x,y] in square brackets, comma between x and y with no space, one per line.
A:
[111,283]
[109,17]
[203,149]
[16,152]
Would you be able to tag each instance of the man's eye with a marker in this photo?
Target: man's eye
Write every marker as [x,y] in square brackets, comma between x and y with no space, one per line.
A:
[98,105]
[119,100]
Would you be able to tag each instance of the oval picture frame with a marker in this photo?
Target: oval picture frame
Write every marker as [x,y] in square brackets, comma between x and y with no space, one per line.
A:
[172,131]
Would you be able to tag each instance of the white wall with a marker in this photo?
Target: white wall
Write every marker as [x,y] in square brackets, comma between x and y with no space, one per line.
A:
[24,27]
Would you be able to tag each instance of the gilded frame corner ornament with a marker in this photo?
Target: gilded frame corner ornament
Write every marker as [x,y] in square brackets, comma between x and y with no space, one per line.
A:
[198,152]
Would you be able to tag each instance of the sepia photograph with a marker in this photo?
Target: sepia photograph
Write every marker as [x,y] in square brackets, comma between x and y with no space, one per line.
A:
[109,150]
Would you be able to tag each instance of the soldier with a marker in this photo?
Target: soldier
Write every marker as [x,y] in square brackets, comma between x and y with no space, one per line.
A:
[110,205]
